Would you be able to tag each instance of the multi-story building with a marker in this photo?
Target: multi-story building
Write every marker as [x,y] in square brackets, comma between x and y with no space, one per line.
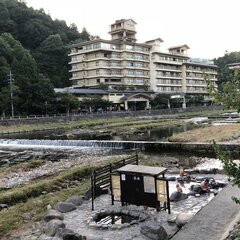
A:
[122,64]
[174,72]
[117,63]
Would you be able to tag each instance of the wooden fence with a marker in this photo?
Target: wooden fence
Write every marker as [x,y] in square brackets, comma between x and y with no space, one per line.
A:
[101,177]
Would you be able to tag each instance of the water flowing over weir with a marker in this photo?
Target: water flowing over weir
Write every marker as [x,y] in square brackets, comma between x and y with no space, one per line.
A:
[73,144]
[121,145]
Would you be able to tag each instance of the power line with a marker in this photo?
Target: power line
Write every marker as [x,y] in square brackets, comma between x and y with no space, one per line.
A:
[11,82]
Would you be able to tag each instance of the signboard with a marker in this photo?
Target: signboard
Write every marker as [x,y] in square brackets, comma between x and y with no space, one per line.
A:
[162,190]
[149,184]
[116,188]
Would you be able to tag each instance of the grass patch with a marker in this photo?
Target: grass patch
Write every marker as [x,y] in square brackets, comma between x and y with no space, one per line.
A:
[218,133]
[114,122]
[23,193]
[34,209]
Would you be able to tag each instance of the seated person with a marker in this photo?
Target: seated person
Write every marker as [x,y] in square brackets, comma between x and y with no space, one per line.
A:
[204,186]
[181,172]
[179,189]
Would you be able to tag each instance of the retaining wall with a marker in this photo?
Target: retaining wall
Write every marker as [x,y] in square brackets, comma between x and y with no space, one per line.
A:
[75,117]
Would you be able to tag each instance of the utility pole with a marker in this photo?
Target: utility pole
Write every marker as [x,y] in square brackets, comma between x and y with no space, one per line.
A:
[11,82]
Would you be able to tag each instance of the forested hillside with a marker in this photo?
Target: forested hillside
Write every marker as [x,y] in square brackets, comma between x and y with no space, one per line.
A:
[34,47]
[225,74]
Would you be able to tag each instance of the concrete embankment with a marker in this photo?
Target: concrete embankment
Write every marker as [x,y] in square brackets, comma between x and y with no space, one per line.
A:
[213,221]
[205,148]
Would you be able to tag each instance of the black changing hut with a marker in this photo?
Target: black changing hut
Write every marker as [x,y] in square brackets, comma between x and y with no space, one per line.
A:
[141,185]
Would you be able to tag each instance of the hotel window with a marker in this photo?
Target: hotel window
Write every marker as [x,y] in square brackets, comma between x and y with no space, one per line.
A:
[129,47]
[139,64]
[116,72]
[96,46]
[138,48]
[88,47]
[115,64]
[97,63]
[129,55]
[74,66]
[115,55]
[139,72]
[130,80]
[138,56]
[106,46]
[130,64]
[108,72]
[97,55]
[130,72]
[140,80]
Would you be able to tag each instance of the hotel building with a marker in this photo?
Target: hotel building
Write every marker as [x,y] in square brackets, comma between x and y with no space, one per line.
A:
[174,72]
[137,70]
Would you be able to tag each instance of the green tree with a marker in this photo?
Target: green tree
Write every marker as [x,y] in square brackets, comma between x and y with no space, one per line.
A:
[33,88]
[65,103]
[36,31]
[6,100]
[194,100]
[52,60]
[229,95]
[225,74]
[94,102]
[161,100]
[43,94]
[231,168]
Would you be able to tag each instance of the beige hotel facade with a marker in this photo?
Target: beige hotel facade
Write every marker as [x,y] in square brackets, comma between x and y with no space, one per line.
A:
[134,72]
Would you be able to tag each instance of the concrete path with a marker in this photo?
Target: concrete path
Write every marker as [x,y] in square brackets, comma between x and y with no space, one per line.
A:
[213,221]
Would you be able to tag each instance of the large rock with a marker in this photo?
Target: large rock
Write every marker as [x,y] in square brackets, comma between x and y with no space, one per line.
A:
[178,196]
[53,214]
[76,200]
[183,218]
[65,207]
[154,230]
[53,227]
[68,234]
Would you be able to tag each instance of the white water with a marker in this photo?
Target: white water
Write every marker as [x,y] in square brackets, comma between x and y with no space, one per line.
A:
[71,144]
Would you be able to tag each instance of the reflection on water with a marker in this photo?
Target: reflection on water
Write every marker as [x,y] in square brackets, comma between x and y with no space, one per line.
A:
[154,134]
[149,135]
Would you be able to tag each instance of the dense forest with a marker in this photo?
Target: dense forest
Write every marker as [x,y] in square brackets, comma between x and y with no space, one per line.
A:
[34,47]
[225,74]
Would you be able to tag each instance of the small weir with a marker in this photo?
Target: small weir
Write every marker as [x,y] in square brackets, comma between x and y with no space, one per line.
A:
[133,145]
[120,145]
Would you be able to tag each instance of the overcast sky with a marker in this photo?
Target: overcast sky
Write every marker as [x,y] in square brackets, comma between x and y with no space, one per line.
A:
[208,27]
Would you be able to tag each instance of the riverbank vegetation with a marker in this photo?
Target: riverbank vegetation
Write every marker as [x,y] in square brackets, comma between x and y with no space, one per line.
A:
[116,124]
[113,124]
[219,133]
[33,209]
[28,203]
